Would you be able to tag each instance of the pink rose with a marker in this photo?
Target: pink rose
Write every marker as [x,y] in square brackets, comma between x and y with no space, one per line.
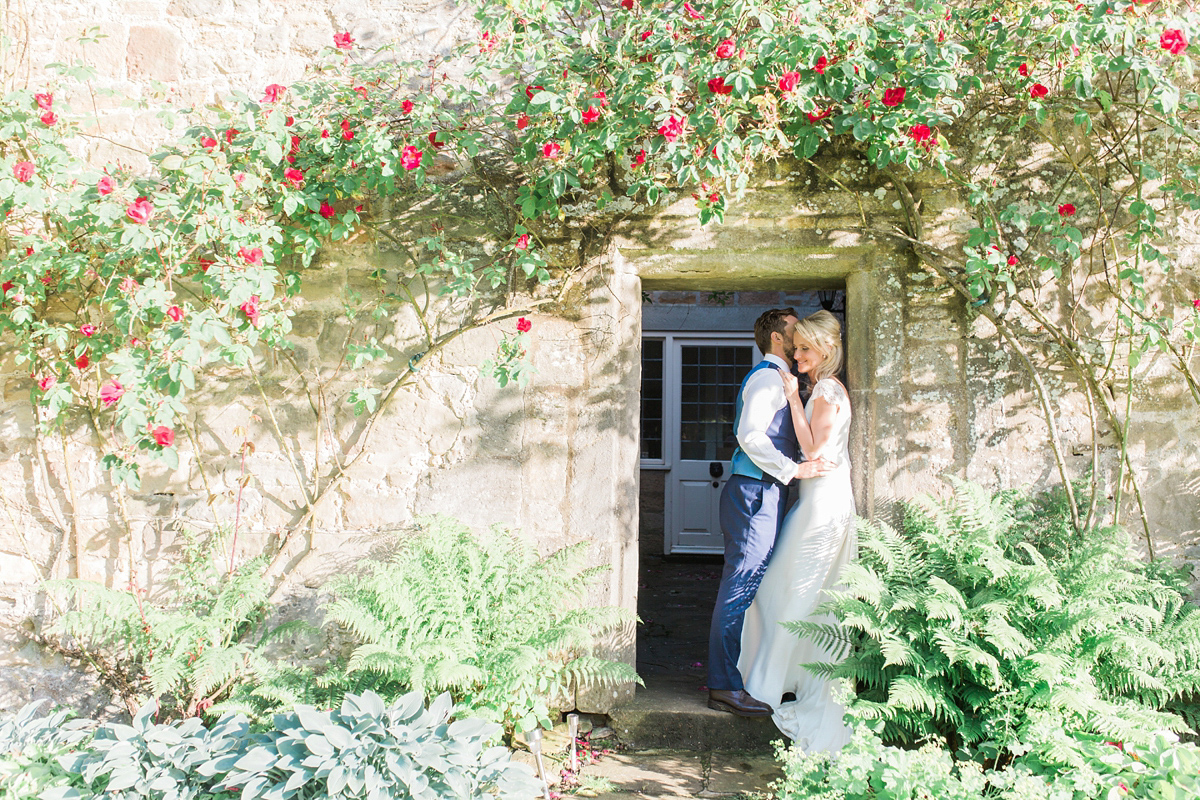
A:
[175,313]
[127,284]
[250,309]
[789,81]
[1066,210]
[273,93]
[407,106]
[602,97]
[820,66]
[718,86]
[726,49]
[83,362]
[139,211]
[919,133]
[591,115]
[670,129]
[524,325]
[893,97]
[49,118]
[487,42]
[252,256]
[522,242]
[343,41]
[111,392]
[361,91]
[1173,41]
[208,142]
[1037,90]
[44,101]
[410,158]
[46,382]
[326,210]
[691,12]
[23,171]
[105,185]
[163,436]
[293,176]
[88,330]
[551,150]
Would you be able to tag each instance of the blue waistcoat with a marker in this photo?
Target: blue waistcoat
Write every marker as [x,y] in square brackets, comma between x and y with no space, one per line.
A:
[781,432]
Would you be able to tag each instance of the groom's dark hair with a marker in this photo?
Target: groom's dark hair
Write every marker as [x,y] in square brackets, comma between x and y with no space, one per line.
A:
[773,321]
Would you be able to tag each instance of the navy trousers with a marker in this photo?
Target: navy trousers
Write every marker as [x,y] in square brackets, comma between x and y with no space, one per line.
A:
[751,509]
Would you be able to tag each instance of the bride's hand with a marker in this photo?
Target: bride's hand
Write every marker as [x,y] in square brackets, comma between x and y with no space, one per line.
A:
[791,387]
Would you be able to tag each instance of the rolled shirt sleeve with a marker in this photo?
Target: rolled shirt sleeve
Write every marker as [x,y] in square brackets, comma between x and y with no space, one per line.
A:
[762,398]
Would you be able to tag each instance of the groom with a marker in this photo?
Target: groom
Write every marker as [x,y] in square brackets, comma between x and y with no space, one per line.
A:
[752,504]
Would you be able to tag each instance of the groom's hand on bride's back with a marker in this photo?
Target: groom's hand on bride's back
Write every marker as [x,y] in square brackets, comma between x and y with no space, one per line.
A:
[814,468]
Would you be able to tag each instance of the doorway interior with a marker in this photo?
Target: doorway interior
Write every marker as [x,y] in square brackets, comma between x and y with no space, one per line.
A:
[697,346]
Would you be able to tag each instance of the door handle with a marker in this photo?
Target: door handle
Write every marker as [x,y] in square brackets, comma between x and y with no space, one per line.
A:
[716,469]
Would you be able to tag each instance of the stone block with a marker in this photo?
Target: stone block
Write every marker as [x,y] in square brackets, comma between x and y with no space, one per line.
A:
[105,51]
[674,774]
[742,773]
[933,364]
[154,53]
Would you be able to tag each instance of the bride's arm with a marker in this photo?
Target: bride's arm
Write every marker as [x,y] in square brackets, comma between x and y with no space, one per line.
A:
[811,437]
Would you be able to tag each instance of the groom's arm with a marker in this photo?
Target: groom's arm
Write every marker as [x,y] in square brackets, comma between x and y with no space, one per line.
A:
[762,398]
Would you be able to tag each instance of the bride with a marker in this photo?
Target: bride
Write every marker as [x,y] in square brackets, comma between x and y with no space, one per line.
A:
[815,542]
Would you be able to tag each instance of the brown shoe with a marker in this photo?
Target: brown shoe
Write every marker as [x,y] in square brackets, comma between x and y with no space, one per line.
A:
[736,701]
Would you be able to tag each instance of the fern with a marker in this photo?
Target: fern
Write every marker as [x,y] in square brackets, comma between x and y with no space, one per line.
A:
[480,616]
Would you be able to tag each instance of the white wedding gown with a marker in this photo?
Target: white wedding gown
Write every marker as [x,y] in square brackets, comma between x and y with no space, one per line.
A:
[816,541]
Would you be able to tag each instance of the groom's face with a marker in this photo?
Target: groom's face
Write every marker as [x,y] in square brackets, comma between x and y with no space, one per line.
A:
[789,345]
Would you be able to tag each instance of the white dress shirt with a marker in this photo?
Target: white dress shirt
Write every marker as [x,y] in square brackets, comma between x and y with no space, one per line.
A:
[762,398]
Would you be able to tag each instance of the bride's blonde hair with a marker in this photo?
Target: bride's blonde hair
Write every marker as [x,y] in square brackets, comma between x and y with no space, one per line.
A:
[822,332]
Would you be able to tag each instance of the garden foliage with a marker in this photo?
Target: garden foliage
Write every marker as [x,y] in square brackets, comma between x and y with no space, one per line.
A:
[362,750]
[985,622]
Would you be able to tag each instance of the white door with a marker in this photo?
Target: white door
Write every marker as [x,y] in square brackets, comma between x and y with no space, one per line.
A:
[699,404]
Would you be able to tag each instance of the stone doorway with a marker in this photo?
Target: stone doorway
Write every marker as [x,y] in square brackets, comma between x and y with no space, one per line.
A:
[679,574]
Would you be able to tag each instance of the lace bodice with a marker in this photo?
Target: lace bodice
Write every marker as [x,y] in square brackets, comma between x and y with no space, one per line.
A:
[837,449]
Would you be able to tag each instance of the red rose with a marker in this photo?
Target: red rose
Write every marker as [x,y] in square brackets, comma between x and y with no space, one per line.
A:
[639,159]
[524,325]
[4,287]
[726,49]
[293,176]
[1196,304]
[919,133]
[205,263]
[105,185]
[361,90]
[49,118]
[82,362]
[326,210]
[1013,261]
[522,122]
[1023,70]
[163,436]
[347,134]
[522,242]
[551,150]
[87,329]
[433,140]
[789,81]
[820,66]
[529,91]
[645,35]
[816,116]
[343,41]
[691,12]
[718,86]
[602,97]
[111,392]
[407,106]
[410,158]
[175,313]
[250,309]
[1066,210]
[139,211]
[1038,90]
[627,5]
[23,171]
[295,148]
[273,93]
[893,97]
[251,255]
[44,101]
[1173,41]
[671,128]
[591,115]
[230,134]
